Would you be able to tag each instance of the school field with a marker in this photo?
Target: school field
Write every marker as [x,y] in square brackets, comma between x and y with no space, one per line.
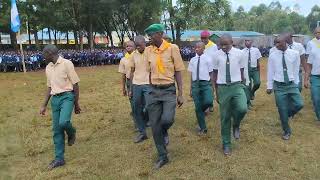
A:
[105,150]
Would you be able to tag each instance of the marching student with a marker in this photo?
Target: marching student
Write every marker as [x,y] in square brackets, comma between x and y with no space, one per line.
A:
[201,69]
[228,76]
[283,79]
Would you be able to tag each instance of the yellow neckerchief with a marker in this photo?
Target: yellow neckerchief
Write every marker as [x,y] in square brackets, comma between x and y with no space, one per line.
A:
[316,42]
[164,46]
[127,55]
[210,43]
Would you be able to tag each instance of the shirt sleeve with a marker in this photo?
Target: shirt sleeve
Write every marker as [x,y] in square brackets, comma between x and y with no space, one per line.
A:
[48,79]
[71,73]
[302,50]
[297,69]
[309,48]
[177,59]
[242,60]
[258,53]
[270,73]
[121,67]
[209,64]
[215,63]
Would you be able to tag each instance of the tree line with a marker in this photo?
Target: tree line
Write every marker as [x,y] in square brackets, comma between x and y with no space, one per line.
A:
[86,18]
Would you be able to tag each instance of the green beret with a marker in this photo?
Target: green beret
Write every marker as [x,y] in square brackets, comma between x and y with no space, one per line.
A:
[153,28]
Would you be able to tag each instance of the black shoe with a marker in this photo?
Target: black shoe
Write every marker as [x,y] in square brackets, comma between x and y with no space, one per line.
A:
[202,132]
[286,136]
[236,132]
[160,163]
[55,164]
[140,138]
[71,139]
[226,150]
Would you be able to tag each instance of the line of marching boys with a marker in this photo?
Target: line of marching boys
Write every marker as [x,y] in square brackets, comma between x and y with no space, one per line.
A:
[234,75]
[152,79]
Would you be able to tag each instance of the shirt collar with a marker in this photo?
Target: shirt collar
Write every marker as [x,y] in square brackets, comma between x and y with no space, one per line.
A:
[59,61]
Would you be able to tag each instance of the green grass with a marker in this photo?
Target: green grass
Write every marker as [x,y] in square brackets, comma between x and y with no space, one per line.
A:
[105,150]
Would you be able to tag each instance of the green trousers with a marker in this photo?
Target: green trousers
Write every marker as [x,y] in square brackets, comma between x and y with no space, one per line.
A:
[300,80]
[289,102]
[315,94]
[233,105]
[254,77]
[128,85]
[161,107]
[203,99]
[62,107]
[248,95]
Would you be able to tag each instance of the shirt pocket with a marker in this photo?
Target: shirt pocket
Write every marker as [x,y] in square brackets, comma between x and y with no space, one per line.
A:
[168,62]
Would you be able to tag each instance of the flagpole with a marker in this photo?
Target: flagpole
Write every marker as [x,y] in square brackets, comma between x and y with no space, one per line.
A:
[21,51]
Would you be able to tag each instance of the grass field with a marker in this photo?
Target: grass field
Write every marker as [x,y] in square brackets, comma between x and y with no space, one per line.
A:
[105,148]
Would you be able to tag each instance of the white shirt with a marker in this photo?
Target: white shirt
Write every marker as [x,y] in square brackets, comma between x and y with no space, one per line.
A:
[272,49]
[298,47]
[205,67]
[255,55]
[211,51]
[275,67]
[237,62]
[313,50]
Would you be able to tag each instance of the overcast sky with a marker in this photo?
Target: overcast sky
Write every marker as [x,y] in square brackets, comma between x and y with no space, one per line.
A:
[305,5]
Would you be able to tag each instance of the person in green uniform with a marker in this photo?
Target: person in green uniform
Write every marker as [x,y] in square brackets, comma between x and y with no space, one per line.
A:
[62,82]
[200,68]
[283,79]
[166,65]
[228,78]
[253,57]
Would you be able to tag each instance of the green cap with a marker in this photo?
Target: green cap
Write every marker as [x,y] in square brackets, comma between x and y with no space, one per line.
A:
[153,28]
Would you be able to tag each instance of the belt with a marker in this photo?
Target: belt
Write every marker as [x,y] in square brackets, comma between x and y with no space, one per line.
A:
[162,86]
[200,81]
[283,83]
[318,76]
[63,93]
[229,84]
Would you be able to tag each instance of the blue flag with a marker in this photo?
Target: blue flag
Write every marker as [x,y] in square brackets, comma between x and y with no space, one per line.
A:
[15,20]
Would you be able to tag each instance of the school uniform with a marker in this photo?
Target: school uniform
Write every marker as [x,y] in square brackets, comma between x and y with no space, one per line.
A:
[231,96]
[125,68]
[313,52]
[300,49]
[61,77]
[253,55]
[201,88]
[140,88]
[161,100]
[283,79]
